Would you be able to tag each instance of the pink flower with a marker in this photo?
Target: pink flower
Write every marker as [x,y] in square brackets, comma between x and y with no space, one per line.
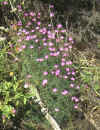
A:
[32,30]
[78,87]
[34,19]
[75,106]
[56,66]
[52,72]
[45,81]
[36,40]
[67,69]
[38,23]
[41,59]
[27,38]
[65,76]
[73,73]
[23,46]
[45,44]
[76,100]
[54,89]
[71,85]
[70,47]
[64,92]
[61,49]
[57,72]
[68,73]
[13,111]
[45,73]
[66,49]
[63,59]
[50,44]
[5,2]
[19,23]
[63,31]
[25,14]
[70,39]
[56,109]
[72,78]
[26,85]
[46,57]
[51,14]
[32,14]
[51,6]
[59,26]
[31,46]
[62,63]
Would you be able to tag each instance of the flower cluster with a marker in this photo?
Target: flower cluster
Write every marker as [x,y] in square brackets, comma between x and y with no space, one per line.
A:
[52,46]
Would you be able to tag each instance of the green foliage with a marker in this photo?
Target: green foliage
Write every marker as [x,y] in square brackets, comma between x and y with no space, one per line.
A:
[12,96]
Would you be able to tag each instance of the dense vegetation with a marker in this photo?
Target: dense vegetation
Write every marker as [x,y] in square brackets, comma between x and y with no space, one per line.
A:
[49,63]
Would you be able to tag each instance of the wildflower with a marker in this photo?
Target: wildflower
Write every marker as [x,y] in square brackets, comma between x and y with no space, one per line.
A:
[61,49]
[36,40]
[27,38]
[59,26]
[62,63]
[23,46]
[57,72]
[49,25]
[34,19]
[13,111]
[51,14]
[61,37]
[56,66]
[52,72]
[64,55]
[25,14]
[51,6]
[45,81]
[38,23]
[54,89]
[45,73]
[76,100]
[63,31]
[31,46]
[63,59]
[32,14]
[50,44]
[46,57]
[75,106]
[64,92]
[68,73]
[19,6]
[26,85]
[41,59]
[72,78]
[70,47]
[39,13]
[32,30]
[71,85]
[19,23]
[67,69]
[5,2]
[56,109]
[65,76]
[66,49]
[73,73]
[77,87]
[29,23]
[44,39]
